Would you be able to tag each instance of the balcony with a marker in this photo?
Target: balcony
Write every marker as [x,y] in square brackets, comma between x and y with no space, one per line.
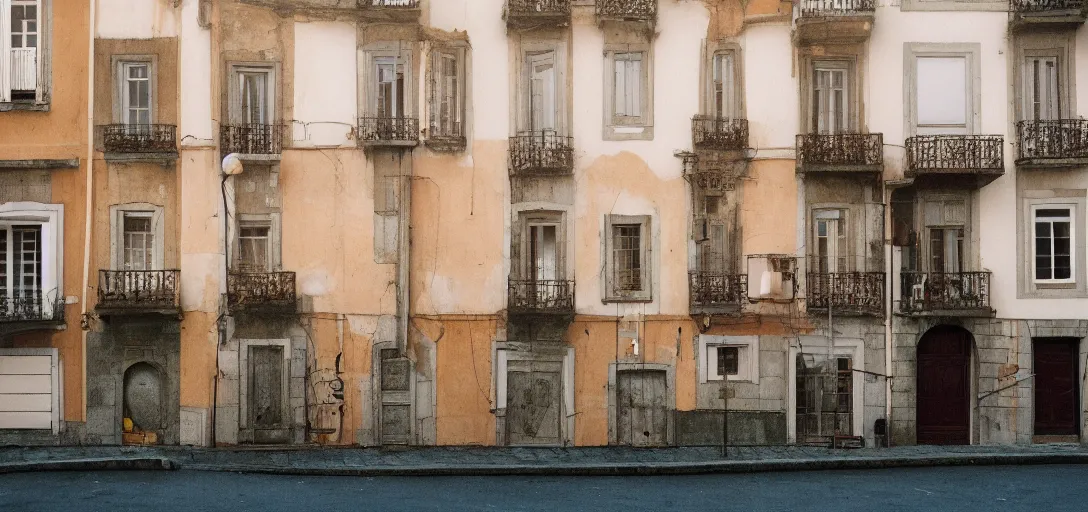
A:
[945,294]
[541,153]
[716,292]
[847,293]
[251,139]
[31,310]
[447,139]
[833,21]
[1047,14]
[529,14]
[402,11]
[627,10]
[718,133]
[138,292]
[268,292]
[540,297]
[846,152]
[1052,144]
[388,131]
[138,141]
[972,160]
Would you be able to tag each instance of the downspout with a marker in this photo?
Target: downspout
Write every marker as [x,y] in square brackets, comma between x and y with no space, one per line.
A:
[889,291]
[89,198]
[403,257]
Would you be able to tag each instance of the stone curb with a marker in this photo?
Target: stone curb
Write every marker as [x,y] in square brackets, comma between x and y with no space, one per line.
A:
[103,464]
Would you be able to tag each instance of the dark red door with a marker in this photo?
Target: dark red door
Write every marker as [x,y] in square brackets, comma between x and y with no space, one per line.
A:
[944,386]
[1055,387]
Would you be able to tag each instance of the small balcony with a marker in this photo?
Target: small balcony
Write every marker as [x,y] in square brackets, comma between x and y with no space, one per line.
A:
[28,310]
[718,133]
[847,293]
[1052,144]
[125,141]
[716,292]
[529,14]
[971,160]
[402,11]
[842,153]
[388,131]
[251,139]
[540,297]
[1047,14]
[541,153]
[267,292]
[138,292]
[945,294]
[448,139]
[627,10]
[833,21]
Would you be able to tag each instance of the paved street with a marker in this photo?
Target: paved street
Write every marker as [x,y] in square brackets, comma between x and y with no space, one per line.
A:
[992,488]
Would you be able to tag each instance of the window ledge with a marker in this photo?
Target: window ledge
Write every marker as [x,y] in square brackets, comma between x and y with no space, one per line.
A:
[620,132]
[609,300]
[46,164]
[24,106]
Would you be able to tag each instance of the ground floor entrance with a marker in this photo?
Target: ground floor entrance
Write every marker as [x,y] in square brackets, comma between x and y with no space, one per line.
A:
[944,386]
[1056,398]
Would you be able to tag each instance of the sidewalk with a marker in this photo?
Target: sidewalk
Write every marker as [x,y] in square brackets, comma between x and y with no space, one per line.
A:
[310,460]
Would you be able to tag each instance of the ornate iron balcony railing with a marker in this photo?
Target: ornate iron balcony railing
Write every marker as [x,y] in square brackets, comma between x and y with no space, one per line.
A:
[31,306]
[842,150]
[446,138]
[388,130]
[847,292]
[540,296]
[1045,6]
[261,290]
[138,289]
[709,132]
[821,8]
[717,289]
[955,154]
[139,138]
[1051,140]
[389,4]
[522,10]
[639,10]
[543,152]
[927,292]
[251,139]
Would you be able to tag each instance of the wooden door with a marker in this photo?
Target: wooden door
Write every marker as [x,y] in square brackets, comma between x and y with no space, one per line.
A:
[266,393]
[642,408]
[944,387]
[1055,363]
[534,403]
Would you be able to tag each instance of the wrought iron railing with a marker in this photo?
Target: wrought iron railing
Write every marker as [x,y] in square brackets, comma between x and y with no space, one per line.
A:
[542,152]
[716,289]
[139,138]
[922,292]
[858,292]
[446,138]
[820,8]
[627,9]
[540,296]
[31,306]
[1044,6]
[1066,138]
[709,132]
[251,139]
[373,129]
[841,150]
[520,8]
[955,154]
[138,289]
[391,4]
[260,290]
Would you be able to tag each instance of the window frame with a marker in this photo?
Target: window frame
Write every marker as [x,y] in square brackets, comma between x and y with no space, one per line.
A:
[269,220]
[1032,198]
[839,257]
[543,218]
[968,257]
[971,53]
[747,358]
[1059,46]
[117,243]
[402,53]
[51,218]
[1071,218]
[849,110]
[436,89]
[119,64]
[520,115]
[43,79]
[234,104]
[623,127]
[610,293]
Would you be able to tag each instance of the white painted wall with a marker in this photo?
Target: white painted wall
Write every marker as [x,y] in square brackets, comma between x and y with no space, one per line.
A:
[195,123]
[136,19]
[770,88]
[325,84]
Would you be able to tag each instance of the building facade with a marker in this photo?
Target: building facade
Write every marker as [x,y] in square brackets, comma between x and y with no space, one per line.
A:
[543,222]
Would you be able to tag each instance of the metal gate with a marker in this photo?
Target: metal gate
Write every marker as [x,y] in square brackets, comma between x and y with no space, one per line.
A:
[825,398]
[534,403]
[642,408]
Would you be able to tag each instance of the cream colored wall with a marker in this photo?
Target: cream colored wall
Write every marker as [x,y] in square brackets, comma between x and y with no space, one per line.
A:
[136,19]
[325,84]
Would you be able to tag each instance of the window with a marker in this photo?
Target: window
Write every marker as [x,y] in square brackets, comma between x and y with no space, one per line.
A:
[543,252]
[627,253]
[447,93]
[723,102]
[830,98]
[254,246]
[627,95]
[387,83]
[830,235]
[138,241]
[825,397]
[20,261]
[390,87]
[1052,243]
[542,93]
[728,361]
[728,357]
[30,271]
[136,99]
[1041,98]
[946,250]
[946,229]
[253,95]
[944,99]
[137,236]
[23,30]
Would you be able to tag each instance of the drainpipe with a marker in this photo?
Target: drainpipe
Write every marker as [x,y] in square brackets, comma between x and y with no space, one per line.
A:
[403,257]
[889,291]
[89,200]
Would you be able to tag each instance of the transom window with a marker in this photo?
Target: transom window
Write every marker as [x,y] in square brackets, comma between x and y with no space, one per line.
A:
[138,240]
[1052,243]
[136,93]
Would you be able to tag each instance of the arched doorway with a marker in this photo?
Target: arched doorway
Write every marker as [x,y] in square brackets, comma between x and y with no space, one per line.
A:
[143,387]
[944,386]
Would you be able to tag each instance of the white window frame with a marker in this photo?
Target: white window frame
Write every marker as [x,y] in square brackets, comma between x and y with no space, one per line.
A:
[237,72]
[117,228]
[619,126]
[532,220]
[610,293]
[846,114]
[971,53]
[1052,92]
[401,52]
[121,100]
[42,57]
[838,238]
[439,93]
[51,218]
[1071,219]
[747,358]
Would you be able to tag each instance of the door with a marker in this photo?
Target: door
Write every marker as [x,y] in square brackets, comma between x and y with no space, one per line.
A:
[1055,363]
[825,398]
[266,396]
[642,408]
[534,403]
[944,387]
[830,107]
[542,104]
[26,391]
[544,264]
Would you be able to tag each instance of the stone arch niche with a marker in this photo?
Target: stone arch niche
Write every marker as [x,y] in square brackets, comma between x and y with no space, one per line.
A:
[143,395]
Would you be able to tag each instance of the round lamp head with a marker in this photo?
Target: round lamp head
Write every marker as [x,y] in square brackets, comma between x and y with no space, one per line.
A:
[232,165]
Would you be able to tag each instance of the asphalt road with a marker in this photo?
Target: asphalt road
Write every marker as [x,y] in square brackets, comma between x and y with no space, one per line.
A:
[990,489]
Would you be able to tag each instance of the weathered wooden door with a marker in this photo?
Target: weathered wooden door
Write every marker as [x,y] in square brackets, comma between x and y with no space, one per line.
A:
[534,403]
[265,402]
[1055,387]
[642,408]
[944,387]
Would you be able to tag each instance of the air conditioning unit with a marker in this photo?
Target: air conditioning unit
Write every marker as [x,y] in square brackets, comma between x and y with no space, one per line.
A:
[772,277]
